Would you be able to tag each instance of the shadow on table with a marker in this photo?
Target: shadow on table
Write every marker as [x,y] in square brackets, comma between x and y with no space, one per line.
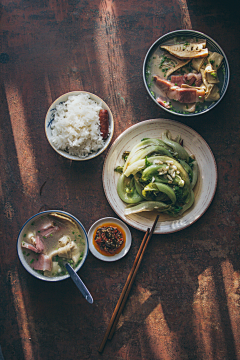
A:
[191,314]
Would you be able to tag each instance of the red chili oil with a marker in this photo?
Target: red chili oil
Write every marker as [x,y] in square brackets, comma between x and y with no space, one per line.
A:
[115,251]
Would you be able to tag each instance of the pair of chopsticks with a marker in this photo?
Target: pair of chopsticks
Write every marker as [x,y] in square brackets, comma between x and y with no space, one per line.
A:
[127,287]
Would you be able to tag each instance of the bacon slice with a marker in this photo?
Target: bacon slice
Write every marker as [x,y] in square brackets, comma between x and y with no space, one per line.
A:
[178,80]
[29,247]
[187,96]
[189,79]
[163,84]
[39,244]
[46,226]
[183,95]
[38,248]
[193,78]
[43,263]
[163,102]
[173,93]
[49,231]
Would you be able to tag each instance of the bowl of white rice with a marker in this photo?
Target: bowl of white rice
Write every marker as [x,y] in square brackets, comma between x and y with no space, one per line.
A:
[73,127]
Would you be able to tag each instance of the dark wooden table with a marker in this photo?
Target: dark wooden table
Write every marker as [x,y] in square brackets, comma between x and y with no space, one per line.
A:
[185,301]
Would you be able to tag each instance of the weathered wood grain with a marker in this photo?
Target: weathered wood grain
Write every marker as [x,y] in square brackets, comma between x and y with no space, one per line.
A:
[185,303]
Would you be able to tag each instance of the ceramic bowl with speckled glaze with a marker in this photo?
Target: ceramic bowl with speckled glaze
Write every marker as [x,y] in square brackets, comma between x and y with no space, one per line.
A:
[204,189]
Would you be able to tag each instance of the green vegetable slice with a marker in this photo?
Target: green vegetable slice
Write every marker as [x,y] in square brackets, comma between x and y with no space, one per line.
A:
[127,191]
[187,168]
[147,206]
[145,143]
[152,170]
[182,153]
[188,204]
[156,149]
[140,164]
[195,174]
[162,188]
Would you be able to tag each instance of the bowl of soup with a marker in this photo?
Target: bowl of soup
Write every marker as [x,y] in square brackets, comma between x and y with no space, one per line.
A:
[186,72]
[49,240]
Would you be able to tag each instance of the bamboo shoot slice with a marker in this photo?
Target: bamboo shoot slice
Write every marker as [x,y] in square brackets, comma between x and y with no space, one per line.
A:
[188,50]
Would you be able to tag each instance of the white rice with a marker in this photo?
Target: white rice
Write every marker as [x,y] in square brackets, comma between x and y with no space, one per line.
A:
[76,126]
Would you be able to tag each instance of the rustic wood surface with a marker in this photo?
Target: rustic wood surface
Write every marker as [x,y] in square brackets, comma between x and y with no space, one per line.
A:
[186,298]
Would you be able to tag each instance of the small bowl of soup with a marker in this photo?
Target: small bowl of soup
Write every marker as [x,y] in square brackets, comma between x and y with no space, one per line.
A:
[49,240]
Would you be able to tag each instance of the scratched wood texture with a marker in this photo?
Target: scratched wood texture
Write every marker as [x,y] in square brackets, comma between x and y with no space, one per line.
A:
[186,298]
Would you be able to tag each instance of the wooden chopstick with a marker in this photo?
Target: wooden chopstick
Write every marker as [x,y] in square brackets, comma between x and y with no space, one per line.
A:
[122,294]
[127,287]
[132,280]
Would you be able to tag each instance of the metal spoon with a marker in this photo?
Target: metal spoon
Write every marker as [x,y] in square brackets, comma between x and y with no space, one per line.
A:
[79,283]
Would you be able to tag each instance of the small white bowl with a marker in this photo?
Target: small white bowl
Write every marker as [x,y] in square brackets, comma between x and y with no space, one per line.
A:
[113,221]
[21,238]
[49,118]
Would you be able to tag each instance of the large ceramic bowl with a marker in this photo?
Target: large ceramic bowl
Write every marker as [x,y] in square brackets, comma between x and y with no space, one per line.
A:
[50,117]
[183,35]
[22,238]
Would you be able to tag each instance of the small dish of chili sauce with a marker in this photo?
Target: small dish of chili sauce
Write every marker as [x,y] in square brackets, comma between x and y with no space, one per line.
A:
[109,239]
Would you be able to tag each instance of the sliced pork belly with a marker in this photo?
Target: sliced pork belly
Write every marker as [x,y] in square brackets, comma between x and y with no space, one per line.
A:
[193,78]
[39,244]
[43,263]
[49,231]
[46,226]
[173,93]
[187,96]
[163,84]
[189,79]
[183,95]
[29,247]
[190,95]
[163,102]
[38,248]
[178,80]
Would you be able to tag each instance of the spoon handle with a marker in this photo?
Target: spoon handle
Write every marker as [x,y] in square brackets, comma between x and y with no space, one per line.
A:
[79,283]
